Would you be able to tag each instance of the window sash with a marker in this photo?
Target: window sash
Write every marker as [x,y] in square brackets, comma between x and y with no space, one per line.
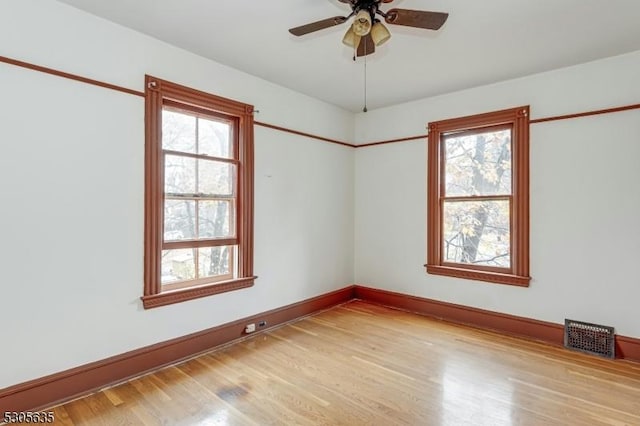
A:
[207,114]
[463,198]
[471,266]
[203,242]
[478,131]
[189,283]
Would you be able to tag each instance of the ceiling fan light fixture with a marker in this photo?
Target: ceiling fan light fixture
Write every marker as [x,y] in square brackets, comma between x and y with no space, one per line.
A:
[351,39]
[379,33]
[362,23]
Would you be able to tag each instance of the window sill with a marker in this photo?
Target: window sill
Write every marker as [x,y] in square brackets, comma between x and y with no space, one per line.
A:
[170,297]
[492,277]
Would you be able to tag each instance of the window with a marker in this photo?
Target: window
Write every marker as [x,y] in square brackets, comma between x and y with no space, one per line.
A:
[478,197]
[198,194]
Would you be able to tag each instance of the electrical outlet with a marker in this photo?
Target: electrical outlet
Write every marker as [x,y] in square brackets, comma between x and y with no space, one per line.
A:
[250,328]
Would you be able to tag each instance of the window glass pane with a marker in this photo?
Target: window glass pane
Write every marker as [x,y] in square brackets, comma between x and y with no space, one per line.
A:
[178,265]
[214,138]
[215,177]
[179,220]
[477,232]
[213,261]
[478,164]
[178,131]
[179,175]
[215,219]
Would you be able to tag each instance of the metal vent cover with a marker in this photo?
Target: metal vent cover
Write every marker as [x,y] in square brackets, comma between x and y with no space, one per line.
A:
[590,338]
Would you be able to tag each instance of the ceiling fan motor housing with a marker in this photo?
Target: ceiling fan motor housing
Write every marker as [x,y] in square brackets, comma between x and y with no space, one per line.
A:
[370,6]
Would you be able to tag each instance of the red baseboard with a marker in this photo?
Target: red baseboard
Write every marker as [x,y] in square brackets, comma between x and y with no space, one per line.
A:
[504,323]
[626,347]
[66,385]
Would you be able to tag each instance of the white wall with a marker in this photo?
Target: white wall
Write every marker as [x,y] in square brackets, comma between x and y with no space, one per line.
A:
[71,181]
[585,197]
[71,185]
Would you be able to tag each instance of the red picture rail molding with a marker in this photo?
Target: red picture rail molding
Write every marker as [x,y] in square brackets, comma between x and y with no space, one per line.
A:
[409,138]
[586,114]
[105,85]
[308,135]
[76,77]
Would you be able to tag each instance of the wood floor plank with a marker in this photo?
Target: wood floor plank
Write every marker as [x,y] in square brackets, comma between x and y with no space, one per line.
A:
[364,364]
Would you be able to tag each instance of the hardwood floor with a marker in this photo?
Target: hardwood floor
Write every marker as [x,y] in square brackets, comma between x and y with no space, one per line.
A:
[363,364]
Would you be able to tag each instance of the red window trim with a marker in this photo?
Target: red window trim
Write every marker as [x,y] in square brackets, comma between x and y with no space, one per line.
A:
[518,120]
[159,92]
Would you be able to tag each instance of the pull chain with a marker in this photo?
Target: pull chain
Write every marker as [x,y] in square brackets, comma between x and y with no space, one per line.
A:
[365,75]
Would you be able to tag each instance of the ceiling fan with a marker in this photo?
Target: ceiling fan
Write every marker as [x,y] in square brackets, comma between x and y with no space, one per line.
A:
[367,31]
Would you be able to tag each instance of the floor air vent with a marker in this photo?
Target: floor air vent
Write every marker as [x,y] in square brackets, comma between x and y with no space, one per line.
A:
[590,338]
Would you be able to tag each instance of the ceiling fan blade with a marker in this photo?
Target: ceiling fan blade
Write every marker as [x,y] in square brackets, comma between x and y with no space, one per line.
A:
[366,46]
[416,18]
[318,25]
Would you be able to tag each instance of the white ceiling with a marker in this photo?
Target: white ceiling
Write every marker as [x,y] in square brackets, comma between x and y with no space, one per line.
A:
[484,41]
